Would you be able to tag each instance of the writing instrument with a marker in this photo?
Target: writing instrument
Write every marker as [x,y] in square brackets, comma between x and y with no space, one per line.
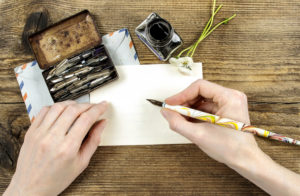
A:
[78,72]
[87,79]
[95,61]
[56,79]
[66,63]
[91,77]
[63,69]
[53,71]
[63,92]
[64,83]
[91,62]
[78,58]
[67,68]
[59,70]
[90,84]
[85,55]
[75,71]
[71,69]
[225,122]
[50,74]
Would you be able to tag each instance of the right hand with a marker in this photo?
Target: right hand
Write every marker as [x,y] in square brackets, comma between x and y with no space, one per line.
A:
[222,144]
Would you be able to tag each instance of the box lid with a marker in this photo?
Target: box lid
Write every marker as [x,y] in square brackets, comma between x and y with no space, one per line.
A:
[64,39]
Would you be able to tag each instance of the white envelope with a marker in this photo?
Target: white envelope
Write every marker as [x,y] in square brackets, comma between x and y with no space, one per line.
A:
[34,89]
[120,47]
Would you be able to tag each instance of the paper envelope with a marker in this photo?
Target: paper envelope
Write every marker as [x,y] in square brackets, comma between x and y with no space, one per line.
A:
[34,89]
[120,47]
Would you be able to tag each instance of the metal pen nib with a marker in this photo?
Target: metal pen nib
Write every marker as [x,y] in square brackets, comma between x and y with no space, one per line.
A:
[95,61]
[56,80]
[50,74]
[62,84]
[53,71]
[155,102]
[91,84]
[78,72]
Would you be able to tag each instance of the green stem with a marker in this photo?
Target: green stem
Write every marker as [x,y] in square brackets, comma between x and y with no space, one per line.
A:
[194,45]
[211,19]
[203,35]
[212,15]
[206,31]
[220,23]
[210,31]
[184,51]
[209,23]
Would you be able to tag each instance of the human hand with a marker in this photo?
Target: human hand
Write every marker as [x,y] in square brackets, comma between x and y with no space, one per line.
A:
[54,151]
[222,144]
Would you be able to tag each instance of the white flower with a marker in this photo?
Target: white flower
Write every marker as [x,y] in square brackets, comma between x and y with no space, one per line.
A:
[185,70]
[173,61]
[184,64]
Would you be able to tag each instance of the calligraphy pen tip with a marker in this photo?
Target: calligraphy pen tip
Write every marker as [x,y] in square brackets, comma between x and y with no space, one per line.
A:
[155,102]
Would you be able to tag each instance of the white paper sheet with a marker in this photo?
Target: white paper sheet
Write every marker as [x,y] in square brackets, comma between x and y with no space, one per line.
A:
[131,119]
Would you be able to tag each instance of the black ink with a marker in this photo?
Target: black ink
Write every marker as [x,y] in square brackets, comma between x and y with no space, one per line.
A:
[159,36]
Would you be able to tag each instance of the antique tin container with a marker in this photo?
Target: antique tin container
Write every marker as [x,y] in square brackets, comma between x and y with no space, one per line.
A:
[72,37]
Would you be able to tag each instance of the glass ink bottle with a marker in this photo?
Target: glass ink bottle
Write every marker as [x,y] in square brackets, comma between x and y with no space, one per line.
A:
[159,36]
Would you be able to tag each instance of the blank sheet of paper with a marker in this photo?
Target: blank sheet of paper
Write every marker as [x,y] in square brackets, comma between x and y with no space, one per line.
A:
[132,120]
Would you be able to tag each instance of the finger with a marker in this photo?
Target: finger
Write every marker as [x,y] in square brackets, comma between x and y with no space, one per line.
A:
[69,115]
[209,107]
[180,125]
[39,118]
[85,121]
[54,112]
[201,88]
[192,102]
[91,143]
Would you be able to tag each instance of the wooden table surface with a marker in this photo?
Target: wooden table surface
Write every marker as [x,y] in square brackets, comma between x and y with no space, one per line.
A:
[258,53]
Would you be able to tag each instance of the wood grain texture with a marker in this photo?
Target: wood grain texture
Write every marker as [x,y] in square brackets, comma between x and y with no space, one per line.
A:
[258,53]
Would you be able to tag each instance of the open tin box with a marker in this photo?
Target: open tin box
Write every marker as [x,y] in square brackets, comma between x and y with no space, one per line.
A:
[74,60]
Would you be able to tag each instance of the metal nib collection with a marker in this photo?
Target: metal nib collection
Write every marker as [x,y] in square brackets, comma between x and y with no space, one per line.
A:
[79,74]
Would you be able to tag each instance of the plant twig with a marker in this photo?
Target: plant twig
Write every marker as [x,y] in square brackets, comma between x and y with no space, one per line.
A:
[206,31]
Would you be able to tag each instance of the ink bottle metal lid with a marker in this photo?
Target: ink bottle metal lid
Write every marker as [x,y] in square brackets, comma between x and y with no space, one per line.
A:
[159,36]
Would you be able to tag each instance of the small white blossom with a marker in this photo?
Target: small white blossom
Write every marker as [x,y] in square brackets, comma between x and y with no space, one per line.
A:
[184,64]
[173,61]
[185,70]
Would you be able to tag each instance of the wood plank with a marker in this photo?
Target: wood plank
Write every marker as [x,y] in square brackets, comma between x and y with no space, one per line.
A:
[254,40]
[258,53]
[269,84]
[162,169]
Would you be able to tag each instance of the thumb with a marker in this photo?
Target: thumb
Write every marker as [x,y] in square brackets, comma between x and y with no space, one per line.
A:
[180,125]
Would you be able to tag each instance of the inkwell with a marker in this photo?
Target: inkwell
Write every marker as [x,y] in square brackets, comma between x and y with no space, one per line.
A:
[159,36]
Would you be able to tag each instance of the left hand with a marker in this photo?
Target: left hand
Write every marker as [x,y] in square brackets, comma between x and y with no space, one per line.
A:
[54,152]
